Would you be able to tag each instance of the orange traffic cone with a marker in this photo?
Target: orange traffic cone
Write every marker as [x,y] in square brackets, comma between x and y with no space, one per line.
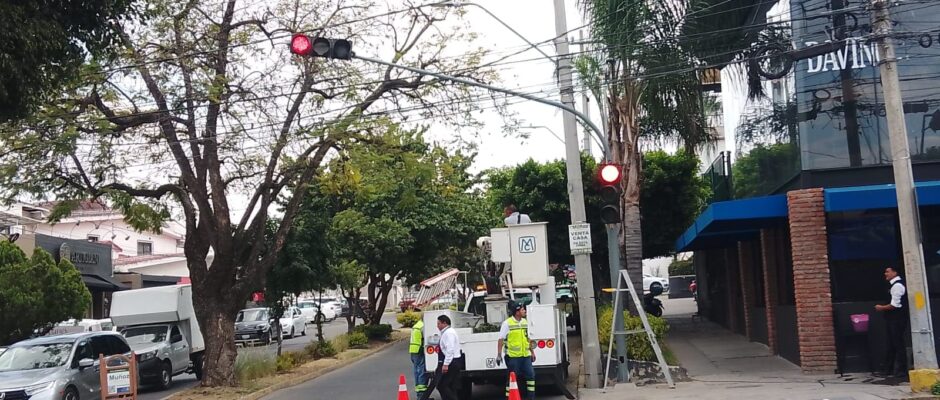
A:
[402,388]
[513,387]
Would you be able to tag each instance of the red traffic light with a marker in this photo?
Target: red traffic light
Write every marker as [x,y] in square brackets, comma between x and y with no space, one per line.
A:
[301,44]
[609,174]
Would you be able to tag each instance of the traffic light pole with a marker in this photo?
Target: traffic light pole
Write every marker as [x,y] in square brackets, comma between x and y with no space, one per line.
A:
[589,338]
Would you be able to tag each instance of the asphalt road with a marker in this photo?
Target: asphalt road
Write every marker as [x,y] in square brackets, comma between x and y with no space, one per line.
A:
[376,377]
[330,330]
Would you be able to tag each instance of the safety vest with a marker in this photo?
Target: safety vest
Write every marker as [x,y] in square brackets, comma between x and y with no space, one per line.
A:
[517,343]
[417,337]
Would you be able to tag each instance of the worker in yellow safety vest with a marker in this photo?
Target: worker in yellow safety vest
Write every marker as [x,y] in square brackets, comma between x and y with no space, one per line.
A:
[416,349]
[514,337]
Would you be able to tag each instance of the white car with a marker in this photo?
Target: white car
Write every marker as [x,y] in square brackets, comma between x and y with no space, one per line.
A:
[649,281]
[293,322]
[309,309]
[329,302]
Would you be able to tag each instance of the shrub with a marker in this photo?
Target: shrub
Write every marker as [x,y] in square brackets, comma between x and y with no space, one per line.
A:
[408,318]
[681,268]
[375,332]
[340,343]
[255,363]
[935,389]
[638,345]
[287,361]
[482,328]
[318,350]
[358,340]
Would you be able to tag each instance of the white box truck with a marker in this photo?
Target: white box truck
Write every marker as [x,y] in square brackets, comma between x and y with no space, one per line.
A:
[526,247]
[160,325]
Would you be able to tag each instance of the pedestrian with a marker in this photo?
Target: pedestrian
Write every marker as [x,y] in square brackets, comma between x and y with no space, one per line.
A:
[514,336]
[416,350]
[514,217]
[896,318]
[452,361]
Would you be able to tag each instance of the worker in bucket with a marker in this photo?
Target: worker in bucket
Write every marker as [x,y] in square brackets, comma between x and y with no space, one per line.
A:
[416,350]
[514,337]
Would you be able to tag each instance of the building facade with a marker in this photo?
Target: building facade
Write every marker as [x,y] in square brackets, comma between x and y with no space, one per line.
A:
[800,243]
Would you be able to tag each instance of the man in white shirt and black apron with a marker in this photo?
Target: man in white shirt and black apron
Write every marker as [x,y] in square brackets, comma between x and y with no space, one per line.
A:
[896,321]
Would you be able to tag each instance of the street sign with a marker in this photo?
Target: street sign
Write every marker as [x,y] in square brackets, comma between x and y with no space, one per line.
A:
[579,238]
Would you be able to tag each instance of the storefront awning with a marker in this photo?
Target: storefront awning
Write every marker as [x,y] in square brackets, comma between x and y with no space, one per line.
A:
[727,222]
[102,283]
[878,196]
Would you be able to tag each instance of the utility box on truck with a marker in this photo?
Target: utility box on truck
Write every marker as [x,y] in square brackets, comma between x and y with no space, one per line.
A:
[160,325]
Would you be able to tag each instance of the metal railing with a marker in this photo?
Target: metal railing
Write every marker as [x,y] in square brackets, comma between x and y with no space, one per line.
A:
[718,178]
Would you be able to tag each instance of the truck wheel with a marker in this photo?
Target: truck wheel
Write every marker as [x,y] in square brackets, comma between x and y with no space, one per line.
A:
[70,393]
[198,364]
[466,390]
[166,376]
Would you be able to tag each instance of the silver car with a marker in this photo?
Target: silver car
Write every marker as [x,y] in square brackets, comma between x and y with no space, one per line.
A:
[63,367]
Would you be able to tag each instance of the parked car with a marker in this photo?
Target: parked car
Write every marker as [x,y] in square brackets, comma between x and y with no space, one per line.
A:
[649,281]
[254,326]
[310,308]
[82,325]
[292,322]
[63,367]
[331,303]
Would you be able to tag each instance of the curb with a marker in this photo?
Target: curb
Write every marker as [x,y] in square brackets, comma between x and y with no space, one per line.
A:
[313,375]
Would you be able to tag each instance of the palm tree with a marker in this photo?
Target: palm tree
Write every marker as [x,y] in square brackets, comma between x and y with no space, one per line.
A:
[652,92]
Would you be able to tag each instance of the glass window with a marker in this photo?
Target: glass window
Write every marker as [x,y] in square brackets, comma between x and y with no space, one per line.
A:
[117,345]
[144,248]
[40,356]
[93,238]
[175,335]
[145,335]
[258,314]
[839,100]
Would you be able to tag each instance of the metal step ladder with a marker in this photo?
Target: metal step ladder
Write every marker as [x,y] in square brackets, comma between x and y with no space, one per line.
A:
[623,277]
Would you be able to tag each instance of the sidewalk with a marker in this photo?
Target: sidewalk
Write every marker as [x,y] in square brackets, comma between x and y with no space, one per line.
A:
[723,365]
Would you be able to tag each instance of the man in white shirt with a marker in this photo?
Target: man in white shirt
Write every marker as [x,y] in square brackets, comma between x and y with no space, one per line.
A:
[453,361]
[514,217]
[896,318]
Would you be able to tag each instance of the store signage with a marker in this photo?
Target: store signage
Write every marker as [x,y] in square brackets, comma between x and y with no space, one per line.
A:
[856,54]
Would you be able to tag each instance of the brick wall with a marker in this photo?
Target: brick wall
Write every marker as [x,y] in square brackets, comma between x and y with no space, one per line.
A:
[746,265]
[769,257]
[811,283]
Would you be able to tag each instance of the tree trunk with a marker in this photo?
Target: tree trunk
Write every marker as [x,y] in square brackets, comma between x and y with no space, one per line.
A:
[631,240]
[378,309]
[218,327]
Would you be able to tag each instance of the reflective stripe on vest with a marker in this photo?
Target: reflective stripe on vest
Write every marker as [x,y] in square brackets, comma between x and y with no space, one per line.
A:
[517,342]
[417,337]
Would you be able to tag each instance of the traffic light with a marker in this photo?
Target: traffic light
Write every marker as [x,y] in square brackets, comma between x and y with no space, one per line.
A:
[303,45]
[609,175]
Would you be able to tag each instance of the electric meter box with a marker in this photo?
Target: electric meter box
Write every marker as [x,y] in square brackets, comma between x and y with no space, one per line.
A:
[528,252]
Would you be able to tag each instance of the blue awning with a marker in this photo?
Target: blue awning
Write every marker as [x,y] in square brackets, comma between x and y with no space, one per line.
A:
[878,196]
[727,222]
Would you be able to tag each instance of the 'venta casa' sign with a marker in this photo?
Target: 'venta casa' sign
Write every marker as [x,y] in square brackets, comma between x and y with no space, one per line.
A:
[856,54]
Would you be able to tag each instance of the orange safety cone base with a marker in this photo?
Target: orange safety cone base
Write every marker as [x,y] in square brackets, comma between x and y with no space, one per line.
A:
[402,388]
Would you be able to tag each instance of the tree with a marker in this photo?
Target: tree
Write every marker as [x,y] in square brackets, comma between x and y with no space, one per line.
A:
[672,185]
[407,208]
[205,103]
[45,44]
[37,292]
[653,93]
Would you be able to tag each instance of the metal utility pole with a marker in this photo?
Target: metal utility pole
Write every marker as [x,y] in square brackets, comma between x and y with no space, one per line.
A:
[582,262]
[925,356]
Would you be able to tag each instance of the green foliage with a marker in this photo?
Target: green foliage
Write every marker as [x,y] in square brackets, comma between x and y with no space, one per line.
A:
[681,268]
[638,346]
[935,389]
[483,328]
[287,361]
[408,318]
[357,340]
[375,332]
[254,363]
[45,45]
[340,343]
[317,350]
[764,169]
[673,194]
[37,292]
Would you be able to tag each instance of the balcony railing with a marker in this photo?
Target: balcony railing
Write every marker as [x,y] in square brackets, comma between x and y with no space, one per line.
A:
[718,177]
